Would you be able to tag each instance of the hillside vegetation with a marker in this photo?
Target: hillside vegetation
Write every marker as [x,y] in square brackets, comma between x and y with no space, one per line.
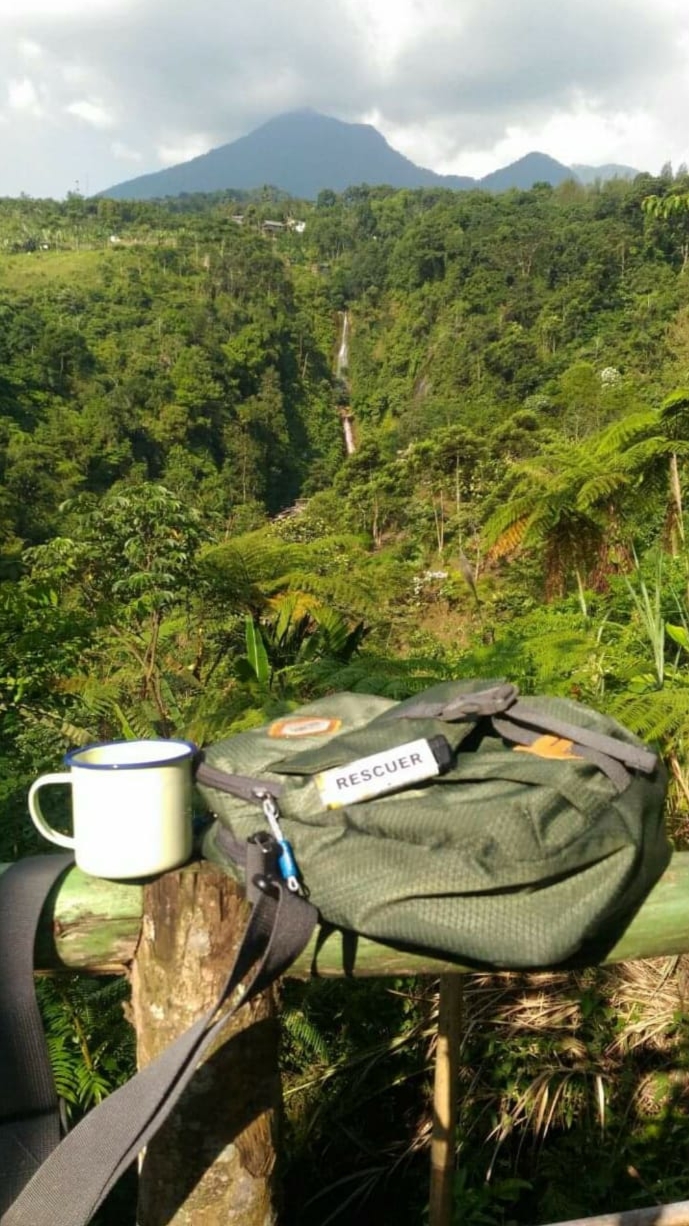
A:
[186,547]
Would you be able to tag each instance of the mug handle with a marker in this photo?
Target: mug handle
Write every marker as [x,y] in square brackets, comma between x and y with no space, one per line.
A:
[54,836]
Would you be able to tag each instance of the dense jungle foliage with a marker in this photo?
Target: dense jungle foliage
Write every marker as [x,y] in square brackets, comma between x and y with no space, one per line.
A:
[401,436]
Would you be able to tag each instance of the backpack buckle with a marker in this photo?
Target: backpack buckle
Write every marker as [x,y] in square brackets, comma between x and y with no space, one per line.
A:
[264,885]
[262,865]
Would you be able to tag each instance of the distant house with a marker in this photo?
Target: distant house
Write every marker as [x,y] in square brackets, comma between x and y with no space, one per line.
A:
[273,227]
[238,219]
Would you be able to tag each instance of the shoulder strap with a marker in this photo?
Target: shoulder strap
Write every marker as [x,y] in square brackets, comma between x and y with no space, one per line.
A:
[29,1107]
[242,786]
[74,1180]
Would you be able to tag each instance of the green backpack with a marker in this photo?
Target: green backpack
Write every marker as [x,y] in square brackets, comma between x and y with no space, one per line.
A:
[464,821]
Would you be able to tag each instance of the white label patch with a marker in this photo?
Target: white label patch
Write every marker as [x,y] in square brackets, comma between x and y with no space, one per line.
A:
[381,772]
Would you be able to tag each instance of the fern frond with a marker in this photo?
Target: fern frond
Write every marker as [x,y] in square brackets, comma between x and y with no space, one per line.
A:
[674,411]
[371,674]
[657,715]
[510,539]
[344,590]
[305,1035]
[656,448]
[600,488]
[90,1044]
[618,436]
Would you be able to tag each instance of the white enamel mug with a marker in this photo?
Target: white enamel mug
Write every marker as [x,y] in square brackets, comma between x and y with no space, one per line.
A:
[131,807]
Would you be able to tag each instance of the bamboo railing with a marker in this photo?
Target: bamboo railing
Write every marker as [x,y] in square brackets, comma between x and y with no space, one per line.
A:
[94,925]
[173,938]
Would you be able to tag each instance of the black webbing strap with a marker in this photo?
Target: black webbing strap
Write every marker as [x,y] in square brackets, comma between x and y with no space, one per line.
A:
[635,757]
[519,734]
[29,1106]
[511,714]
[77,1176]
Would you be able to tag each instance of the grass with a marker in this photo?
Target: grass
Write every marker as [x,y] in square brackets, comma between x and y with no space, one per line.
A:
[29,270]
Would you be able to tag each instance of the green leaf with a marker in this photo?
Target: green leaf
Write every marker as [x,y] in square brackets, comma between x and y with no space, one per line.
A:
[678,634]
[256,651]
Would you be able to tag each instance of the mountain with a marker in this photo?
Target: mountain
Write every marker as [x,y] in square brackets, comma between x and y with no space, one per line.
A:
[304,152]
[301,152]
[589,174]
[533,168]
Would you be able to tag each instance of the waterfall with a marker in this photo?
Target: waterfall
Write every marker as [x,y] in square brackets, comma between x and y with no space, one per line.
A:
[343,352]
[347,430]
[342,388]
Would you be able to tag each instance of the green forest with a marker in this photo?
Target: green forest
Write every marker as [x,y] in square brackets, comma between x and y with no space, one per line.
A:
[255,450]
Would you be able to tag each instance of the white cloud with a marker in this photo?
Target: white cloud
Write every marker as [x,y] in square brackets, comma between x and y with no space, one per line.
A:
[57,10]
[388,26]
[77,75]
[184,150]
[92,112]
[22,95]
[581,135]
[458,85]
[125,153]
[29,50]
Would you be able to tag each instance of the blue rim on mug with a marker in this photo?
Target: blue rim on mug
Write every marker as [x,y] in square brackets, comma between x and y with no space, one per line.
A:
[187,750]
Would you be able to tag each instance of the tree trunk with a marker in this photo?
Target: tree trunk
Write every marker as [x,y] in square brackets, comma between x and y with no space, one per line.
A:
[213,1161]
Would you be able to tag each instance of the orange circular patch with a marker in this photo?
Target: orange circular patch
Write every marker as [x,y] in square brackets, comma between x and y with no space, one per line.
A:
[304,725]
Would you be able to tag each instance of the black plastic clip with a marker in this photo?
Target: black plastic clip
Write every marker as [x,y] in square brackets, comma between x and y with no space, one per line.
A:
[266,885]
[264,856]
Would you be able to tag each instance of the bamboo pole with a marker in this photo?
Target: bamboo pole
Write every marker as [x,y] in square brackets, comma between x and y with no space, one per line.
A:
[94,925]
[445,1100]
[89,924]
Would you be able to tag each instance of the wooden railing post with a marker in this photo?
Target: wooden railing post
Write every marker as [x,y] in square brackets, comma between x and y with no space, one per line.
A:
[213,1161]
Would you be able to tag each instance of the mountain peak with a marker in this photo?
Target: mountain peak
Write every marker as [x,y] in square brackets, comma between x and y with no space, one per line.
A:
[304,151]
[532,168]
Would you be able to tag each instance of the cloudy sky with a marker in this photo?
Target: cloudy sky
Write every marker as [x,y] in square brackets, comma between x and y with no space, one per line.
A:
[96,91]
